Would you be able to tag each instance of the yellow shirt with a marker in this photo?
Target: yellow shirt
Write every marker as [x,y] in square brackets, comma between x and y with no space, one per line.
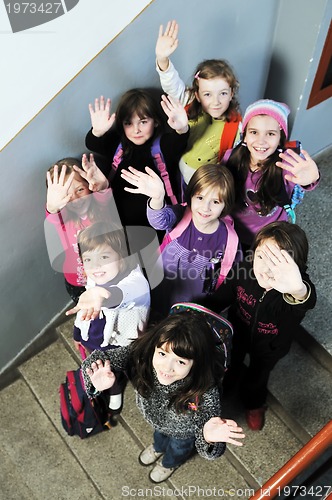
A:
[203,144]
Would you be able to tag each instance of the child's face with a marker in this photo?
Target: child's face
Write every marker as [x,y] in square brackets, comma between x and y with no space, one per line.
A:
[139,130]
[214,95]
[260,266]
[168,366]
[206,208]
[81,196]
[102,264]
[262,137]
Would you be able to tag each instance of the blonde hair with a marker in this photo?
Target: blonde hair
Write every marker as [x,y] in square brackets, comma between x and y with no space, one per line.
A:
[208,69]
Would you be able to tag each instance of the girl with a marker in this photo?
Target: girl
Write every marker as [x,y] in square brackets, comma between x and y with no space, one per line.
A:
[268,300]
[212,104]
[124,314]
[206,237]
[175,369]
[135,126]
[263,183]
[77,195]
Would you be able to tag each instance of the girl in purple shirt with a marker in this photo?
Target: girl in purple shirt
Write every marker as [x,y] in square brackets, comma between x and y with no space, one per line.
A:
[262,181]
[187,259]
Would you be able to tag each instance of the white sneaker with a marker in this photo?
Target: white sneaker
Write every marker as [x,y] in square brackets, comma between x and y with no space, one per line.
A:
[160,473]
[149,456]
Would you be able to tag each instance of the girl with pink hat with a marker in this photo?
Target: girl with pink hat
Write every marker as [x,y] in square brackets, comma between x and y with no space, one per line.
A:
[265,172]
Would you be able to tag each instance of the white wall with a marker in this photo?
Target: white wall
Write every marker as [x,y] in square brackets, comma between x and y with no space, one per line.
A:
[40,61]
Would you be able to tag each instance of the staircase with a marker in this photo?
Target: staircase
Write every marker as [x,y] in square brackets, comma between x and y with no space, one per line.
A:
[39,461]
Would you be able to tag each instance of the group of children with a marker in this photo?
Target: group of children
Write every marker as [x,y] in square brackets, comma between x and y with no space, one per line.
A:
[217,189]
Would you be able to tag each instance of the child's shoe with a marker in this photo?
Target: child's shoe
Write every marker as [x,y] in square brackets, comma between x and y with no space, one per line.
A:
[149,456]
[256,418]
[160,473]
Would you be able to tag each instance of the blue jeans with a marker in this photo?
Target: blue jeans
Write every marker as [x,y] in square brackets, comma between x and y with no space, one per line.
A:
[176,451]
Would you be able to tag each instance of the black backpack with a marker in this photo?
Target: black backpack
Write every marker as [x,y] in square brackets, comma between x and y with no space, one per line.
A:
[220,326]
[80,415]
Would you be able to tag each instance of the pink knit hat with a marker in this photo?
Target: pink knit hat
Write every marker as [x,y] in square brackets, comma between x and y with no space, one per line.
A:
[278,110]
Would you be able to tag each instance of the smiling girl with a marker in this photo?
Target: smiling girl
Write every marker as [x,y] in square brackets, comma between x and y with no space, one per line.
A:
[176,370]
[211,103]
[203,235]
[127,137]
[112,275]
[263,183]
[268,299]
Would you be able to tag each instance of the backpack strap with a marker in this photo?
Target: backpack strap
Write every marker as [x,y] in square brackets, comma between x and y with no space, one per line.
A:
[230,250]
[158,161]
[228,136]
[177,230]
[161,166]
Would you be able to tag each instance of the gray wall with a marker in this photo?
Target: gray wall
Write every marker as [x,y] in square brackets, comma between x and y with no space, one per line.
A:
[31,293]
[299,37]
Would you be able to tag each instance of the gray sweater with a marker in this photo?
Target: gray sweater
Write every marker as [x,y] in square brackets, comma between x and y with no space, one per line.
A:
[155,407]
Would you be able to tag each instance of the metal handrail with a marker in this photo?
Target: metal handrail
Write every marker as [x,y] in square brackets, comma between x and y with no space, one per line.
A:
[298,463]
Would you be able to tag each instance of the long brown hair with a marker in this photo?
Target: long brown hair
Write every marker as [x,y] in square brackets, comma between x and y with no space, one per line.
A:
[269,185]
[190,337]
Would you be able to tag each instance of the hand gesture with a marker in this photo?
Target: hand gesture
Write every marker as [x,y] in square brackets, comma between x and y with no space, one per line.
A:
[302,171]
[148,183]
[219,430]
[90,303]
[57,190]
[101,375]
[167,43]
[101,120]
[177,115]
[92,174]
[281,271]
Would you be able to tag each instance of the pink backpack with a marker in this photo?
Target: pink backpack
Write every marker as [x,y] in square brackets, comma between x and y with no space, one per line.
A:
[230,250]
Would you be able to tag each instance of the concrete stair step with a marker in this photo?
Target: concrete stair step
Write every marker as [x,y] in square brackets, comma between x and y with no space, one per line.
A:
[252,461]
[302,388]
[36,463]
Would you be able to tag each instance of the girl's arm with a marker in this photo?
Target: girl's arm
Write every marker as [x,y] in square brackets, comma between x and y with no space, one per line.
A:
[177,115]
[167,43]
[92,174]
[101,119]
[96,381]
[90,303]
[218,430]
[149,184]
[301,169]
[282,273]
[170,80]
[57,190]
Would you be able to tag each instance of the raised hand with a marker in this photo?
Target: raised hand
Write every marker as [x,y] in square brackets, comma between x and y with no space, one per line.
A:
[281,271]
[101,375]
[101,119]
[57,190]
[92,174]
[177,115]
[167,43]
[219,430]
[302,171]
[90,303]
[148,183]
